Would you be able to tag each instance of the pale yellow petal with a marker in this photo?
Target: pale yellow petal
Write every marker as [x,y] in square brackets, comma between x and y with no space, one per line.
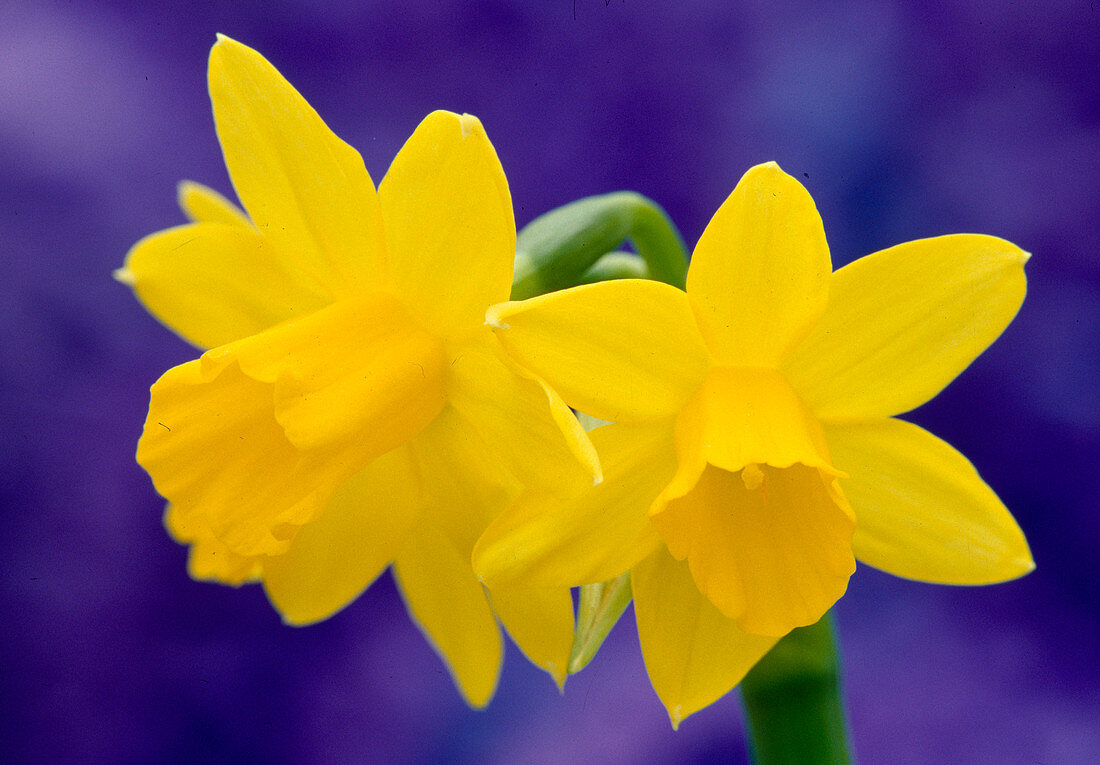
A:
[214,450]
[694,655]
[541,624]
[543,541]
[452,609]
[771,549]
[359,375]
[304,188]
[622,351]
[201,204]
[209,560]
[214,283]
[337,555]
[528,428]
[922,510]
[902,323]
[449,227]
[758,279]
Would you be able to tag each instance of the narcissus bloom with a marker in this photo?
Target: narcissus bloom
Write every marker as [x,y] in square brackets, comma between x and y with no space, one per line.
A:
[754,453]
[353,410]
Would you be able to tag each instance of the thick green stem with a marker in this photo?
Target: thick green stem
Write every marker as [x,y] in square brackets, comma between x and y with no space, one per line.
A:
[659,243]
[793,701]
[556,249]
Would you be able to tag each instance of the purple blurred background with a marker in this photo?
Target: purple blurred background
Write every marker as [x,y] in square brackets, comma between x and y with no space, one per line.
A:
[904,120]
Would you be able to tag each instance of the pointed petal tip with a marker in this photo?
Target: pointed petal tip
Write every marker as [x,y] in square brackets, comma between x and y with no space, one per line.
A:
[494,316]
[676,716]
[1021,566]
[469,124]
[558,675]
[221,42]
[771,166]
[226,45]
[124,276]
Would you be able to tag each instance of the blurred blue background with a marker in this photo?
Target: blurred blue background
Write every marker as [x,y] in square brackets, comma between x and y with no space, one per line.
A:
[904,120]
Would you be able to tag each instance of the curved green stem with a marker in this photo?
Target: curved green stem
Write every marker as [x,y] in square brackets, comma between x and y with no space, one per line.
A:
[658,242]
[793,701]
[557,249]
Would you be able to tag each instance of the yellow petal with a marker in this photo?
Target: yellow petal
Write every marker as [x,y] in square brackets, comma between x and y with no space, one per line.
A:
[772,550]
[304,189]
[464,487]
[359,375]
[452,610]
[922,511]
[541,624]
[449,226]
[214,450]
[622,351]
[694,655]
[530,431]
[758,278]
[902,323]
[209,560]
[214,283]
[543,541]
[744,416]
[202,204]
[337,555]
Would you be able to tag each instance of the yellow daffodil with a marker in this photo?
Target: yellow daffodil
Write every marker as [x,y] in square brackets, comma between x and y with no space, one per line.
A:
[353,410]
[754,455]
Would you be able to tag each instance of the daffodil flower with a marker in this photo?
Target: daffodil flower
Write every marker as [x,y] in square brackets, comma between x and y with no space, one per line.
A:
[754,454]
[353,411]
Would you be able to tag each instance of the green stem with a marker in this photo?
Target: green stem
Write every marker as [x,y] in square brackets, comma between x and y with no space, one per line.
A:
[555,250]
[659,243]
[793,701]
[616,265]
